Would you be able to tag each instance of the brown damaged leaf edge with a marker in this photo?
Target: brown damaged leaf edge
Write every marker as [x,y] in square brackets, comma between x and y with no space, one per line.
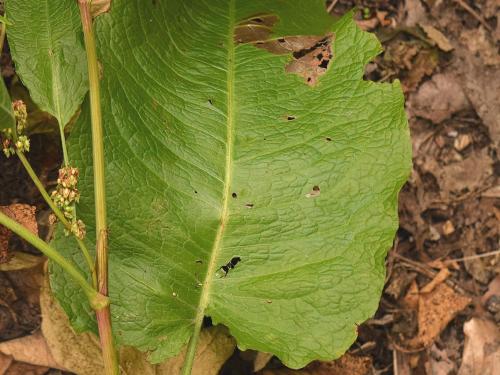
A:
[311,54]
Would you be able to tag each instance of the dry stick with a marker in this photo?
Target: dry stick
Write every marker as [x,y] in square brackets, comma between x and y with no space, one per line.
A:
[332,5]
[474,14]
[430,273]
[103,315]
[472,257]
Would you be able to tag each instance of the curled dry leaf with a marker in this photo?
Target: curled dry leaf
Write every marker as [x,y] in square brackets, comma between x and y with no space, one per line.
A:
[261,360]
[482,348]
[214,348]
[31,349]
[439,98]
[345,365]
[19,261]
[22,213]
[437,37]
[79,353]
[435,310]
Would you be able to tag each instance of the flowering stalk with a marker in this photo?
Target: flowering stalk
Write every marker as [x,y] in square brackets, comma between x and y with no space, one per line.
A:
[103,315]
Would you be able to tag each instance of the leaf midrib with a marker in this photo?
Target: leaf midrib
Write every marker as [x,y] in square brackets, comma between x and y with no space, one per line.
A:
[55,81]
[212,265]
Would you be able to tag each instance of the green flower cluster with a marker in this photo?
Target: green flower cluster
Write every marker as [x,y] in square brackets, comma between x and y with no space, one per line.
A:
[66,195]
[21,143]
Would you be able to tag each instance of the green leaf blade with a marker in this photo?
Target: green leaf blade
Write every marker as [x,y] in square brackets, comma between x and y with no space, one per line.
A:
[203,165]
[46,45]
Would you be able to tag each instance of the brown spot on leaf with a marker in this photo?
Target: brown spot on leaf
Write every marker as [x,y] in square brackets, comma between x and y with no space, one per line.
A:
[311,63]
[311,53]
[255,29]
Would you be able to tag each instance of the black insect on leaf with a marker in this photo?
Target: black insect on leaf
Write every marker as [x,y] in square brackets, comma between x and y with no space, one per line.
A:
[229,265]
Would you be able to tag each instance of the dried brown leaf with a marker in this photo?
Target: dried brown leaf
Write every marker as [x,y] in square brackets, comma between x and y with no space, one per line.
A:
[19,261]
[482,348]
[439,98]
[79,353]
[24,214]
[214,348]
[435,311]
[345,365]
[261,360]
[437,37]
[31,349]
[423,65]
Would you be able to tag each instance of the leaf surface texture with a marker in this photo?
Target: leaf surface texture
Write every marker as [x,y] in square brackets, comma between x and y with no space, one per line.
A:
[214,151]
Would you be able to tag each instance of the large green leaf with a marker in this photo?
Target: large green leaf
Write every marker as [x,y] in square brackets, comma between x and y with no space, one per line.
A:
[213,151]
[7,120]
[46,45]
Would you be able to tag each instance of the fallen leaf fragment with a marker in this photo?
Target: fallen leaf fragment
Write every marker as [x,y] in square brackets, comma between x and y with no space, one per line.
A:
[346,365]
[435,310]
[19,261]
[414,11]
[21,368]
[462,142]
[261,360]
[79,353]
[5,362]
[482,348]
[24,214]
[215,346]
[368,24]
[410,300]
[439,98]
[424,64]
[437,37]
[31,349]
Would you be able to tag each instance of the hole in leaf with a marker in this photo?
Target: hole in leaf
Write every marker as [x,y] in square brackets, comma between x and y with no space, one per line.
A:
[290,118]
[210,101]
[328,139]
[234,195]
[249,205]
[315,192]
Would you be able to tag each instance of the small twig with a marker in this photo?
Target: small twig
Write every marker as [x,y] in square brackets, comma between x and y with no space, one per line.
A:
[471,257]
[474,14]
[429,272]
[331,6]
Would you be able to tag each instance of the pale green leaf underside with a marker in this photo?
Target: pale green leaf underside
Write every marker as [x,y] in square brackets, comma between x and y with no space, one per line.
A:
[46,44]
[7,120]
[177,96]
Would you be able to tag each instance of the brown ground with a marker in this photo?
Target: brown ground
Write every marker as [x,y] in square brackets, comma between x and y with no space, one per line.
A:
[441,306]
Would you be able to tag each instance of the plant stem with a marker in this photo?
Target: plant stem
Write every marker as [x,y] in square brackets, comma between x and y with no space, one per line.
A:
[104,315]
[97,300]
[57,212]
